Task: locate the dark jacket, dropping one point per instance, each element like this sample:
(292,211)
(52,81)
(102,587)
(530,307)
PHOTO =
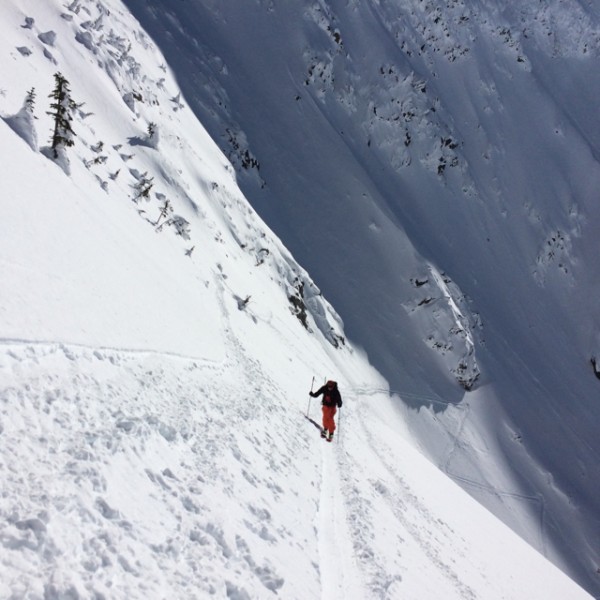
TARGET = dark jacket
(331,396)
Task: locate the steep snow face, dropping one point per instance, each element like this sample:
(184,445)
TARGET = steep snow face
(157,342)
(434,166)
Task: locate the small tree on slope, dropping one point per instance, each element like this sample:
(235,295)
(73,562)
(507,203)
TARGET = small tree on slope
(62,113)
(29,101)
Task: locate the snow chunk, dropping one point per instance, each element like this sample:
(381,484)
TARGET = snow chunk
(129,99)
(48,38)
(85,38)
(49,56)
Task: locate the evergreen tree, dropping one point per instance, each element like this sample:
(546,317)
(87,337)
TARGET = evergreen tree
(142,187)
(30,100)
(165,210)
(153,136)
(62,113)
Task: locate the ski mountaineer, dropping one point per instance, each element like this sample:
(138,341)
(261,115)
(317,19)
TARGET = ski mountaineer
(331,400)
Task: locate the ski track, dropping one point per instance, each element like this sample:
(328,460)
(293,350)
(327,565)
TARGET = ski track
(456,445)
(329,542)
(353,546)
(351,566)
(403,502)
(379,576)
(338,565)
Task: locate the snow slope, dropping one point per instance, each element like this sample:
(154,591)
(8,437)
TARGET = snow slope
(134,474)
(154,371)
(434,166)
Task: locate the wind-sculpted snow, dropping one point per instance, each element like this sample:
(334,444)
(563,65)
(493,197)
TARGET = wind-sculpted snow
(22,123)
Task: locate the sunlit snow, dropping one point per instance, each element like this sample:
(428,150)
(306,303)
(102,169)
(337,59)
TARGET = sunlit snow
(158,343)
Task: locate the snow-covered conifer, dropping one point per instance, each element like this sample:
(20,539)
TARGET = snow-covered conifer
(165,210)
(62,114)
(142,187)
(153,135)
(30,100)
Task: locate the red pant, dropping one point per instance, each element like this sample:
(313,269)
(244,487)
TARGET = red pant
(328,421)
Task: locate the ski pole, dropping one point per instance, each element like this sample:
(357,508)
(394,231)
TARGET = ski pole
(312,383)
(339,426)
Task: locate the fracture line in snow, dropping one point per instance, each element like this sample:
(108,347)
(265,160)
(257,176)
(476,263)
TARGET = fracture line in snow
(95,348)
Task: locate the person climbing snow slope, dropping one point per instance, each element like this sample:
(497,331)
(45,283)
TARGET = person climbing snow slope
(331,400)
